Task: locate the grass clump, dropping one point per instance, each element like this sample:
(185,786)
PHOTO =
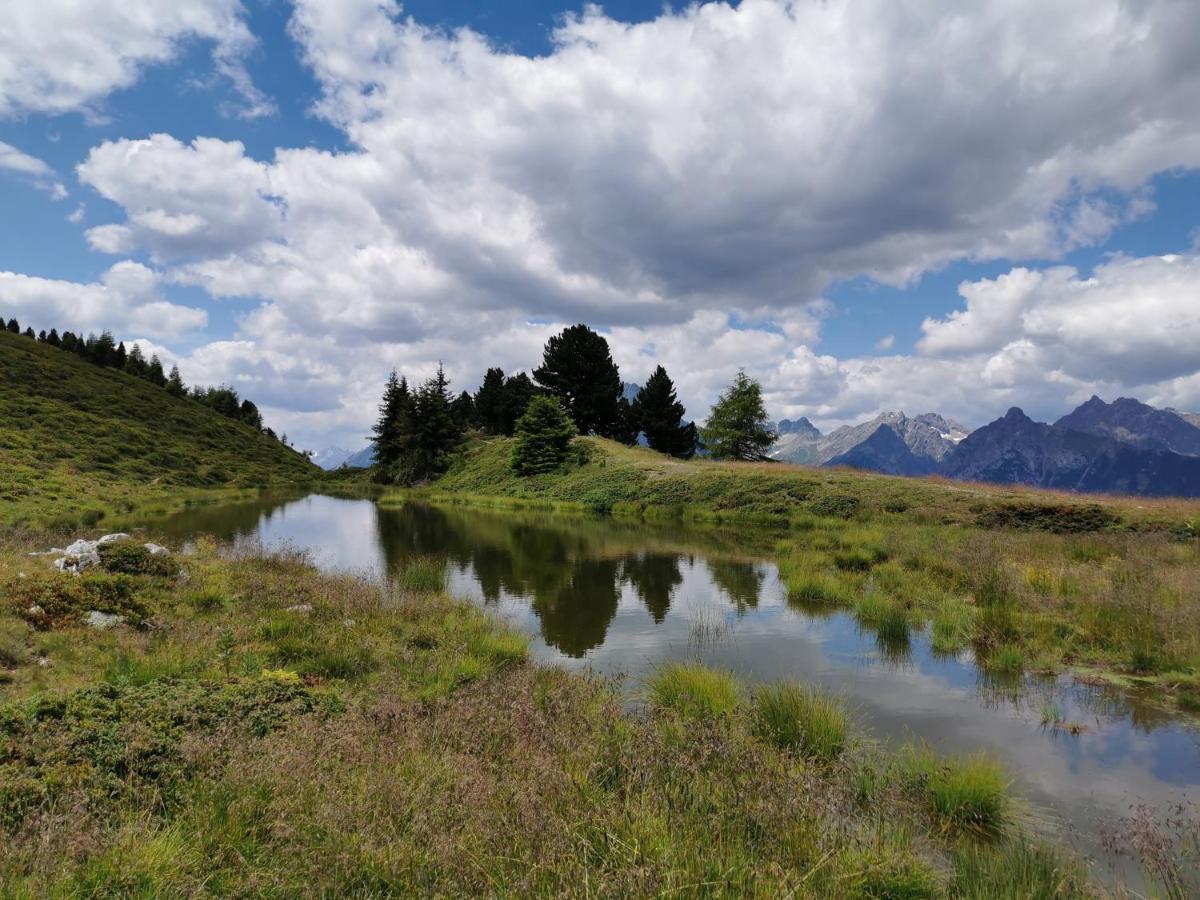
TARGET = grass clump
(953,625)
(422,575)
(801,720)
(964,791)
(1017,868)
(694,691)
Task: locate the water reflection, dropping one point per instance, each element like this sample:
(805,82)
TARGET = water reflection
(621,597)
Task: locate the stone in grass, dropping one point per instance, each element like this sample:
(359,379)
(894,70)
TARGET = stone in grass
(156,549)
(300,608)
(102,621)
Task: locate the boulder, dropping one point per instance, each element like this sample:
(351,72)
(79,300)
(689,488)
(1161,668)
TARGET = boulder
(109,538)
(156,549)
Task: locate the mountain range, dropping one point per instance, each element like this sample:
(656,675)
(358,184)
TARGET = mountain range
(1123,447)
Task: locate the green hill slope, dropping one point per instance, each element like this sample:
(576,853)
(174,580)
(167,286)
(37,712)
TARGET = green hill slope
(77,441)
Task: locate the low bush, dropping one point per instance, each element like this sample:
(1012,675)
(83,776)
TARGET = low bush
(56,600)
(132,558)
(1058,519)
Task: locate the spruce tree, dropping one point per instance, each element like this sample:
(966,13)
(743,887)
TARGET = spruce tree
(738,426)
(154,372)
(14,326)
(519,390)
(391,427)
(53,339)
(464,410)
(29,333)
(436,430)
(578,369)
(658,414)
(135,362)
(544,433)
(119,356)
(104,351)
(175,385)
(490,408)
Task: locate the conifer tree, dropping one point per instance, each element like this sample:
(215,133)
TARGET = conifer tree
(392,429)
(658,414)
(154,372)
(436,430)
(53,339)
(42,336)
(14,326)
(738,426)
(544,433)
(519,390)
(249,414)
(135,362)
(464,410)
(578,369)
(29,333)
(103,351)
(490,402)
(175,385)
(119,356)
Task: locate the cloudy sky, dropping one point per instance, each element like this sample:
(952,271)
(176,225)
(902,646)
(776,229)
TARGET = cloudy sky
(867,204)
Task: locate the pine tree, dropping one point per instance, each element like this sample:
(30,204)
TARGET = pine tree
(519,390)
(29,334)
(490,402)
(436,431)
(658,414)
(738,426)
(104,351)
(14,326)
(119,356)
(154,372)
(53,339)
(135,362)
(69,341)
(42,336)
(175,385)
(577,367)
(392,429)
(249,414)
(544,433)
(464,410)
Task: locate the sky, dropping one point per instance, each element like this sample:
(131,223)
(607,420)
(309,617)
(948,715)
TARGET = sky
(868,205)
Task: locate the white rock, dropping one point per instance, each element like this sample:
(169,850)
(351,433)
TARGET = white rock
(101,620)
(81,547)
(300,608)
(35,610)
(156,550)
(108,538)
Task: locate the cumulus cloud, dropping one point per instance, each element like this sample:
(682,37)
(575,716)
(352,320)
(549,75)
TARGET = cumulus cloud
(691,185)
(59,56)
(126,299)
(32,169)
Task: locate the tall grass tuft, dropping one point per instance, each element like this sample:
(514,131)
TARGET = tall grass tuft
(1016,868)
(965,791)
(801,720)
(694,691)
(422,575)
(953,625)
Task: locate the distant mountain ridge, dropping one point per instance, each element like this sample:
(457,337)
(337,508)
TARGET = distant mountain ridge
(928,438)
(1124,447)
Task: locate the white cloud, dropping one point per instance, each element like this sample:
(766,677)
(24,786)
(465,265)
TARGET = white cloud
(59,56)
(125,300)
(887,342)
(691,184)
(34,170)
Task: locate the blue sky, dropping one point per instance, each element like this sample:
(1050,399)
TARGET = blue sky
(777,186)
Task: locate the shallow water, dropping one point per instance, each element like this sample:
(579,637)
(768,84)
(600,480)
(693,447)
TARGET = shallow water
(620,597)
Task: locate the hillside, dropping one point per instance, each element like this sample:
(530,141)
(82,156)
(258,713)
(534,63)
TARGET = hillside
(608,476)
(79,441)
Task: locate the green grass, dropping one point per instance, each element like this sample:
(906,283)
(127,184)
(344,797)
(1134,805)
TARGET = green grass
(693,691)
(424,573)
(287,733)
(965,792)
(796,718)
(82,444)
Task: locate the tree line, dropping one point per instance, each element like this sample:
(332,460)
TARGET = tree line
(104,351)
(577,390)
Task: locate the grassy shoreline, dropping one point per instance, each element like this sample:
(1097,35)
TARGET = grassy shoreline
(259,727)
(1033,582)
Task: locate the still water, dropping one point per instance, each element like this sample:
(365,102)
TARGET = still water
(621,598)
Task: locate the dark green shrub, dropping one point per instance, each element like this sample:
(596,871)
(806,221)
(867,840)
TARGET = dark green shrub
(835,506)
(132,558)
(1058,519)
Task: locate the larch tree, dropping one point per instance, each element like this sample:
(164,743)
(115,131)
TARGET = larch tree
(738,427)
